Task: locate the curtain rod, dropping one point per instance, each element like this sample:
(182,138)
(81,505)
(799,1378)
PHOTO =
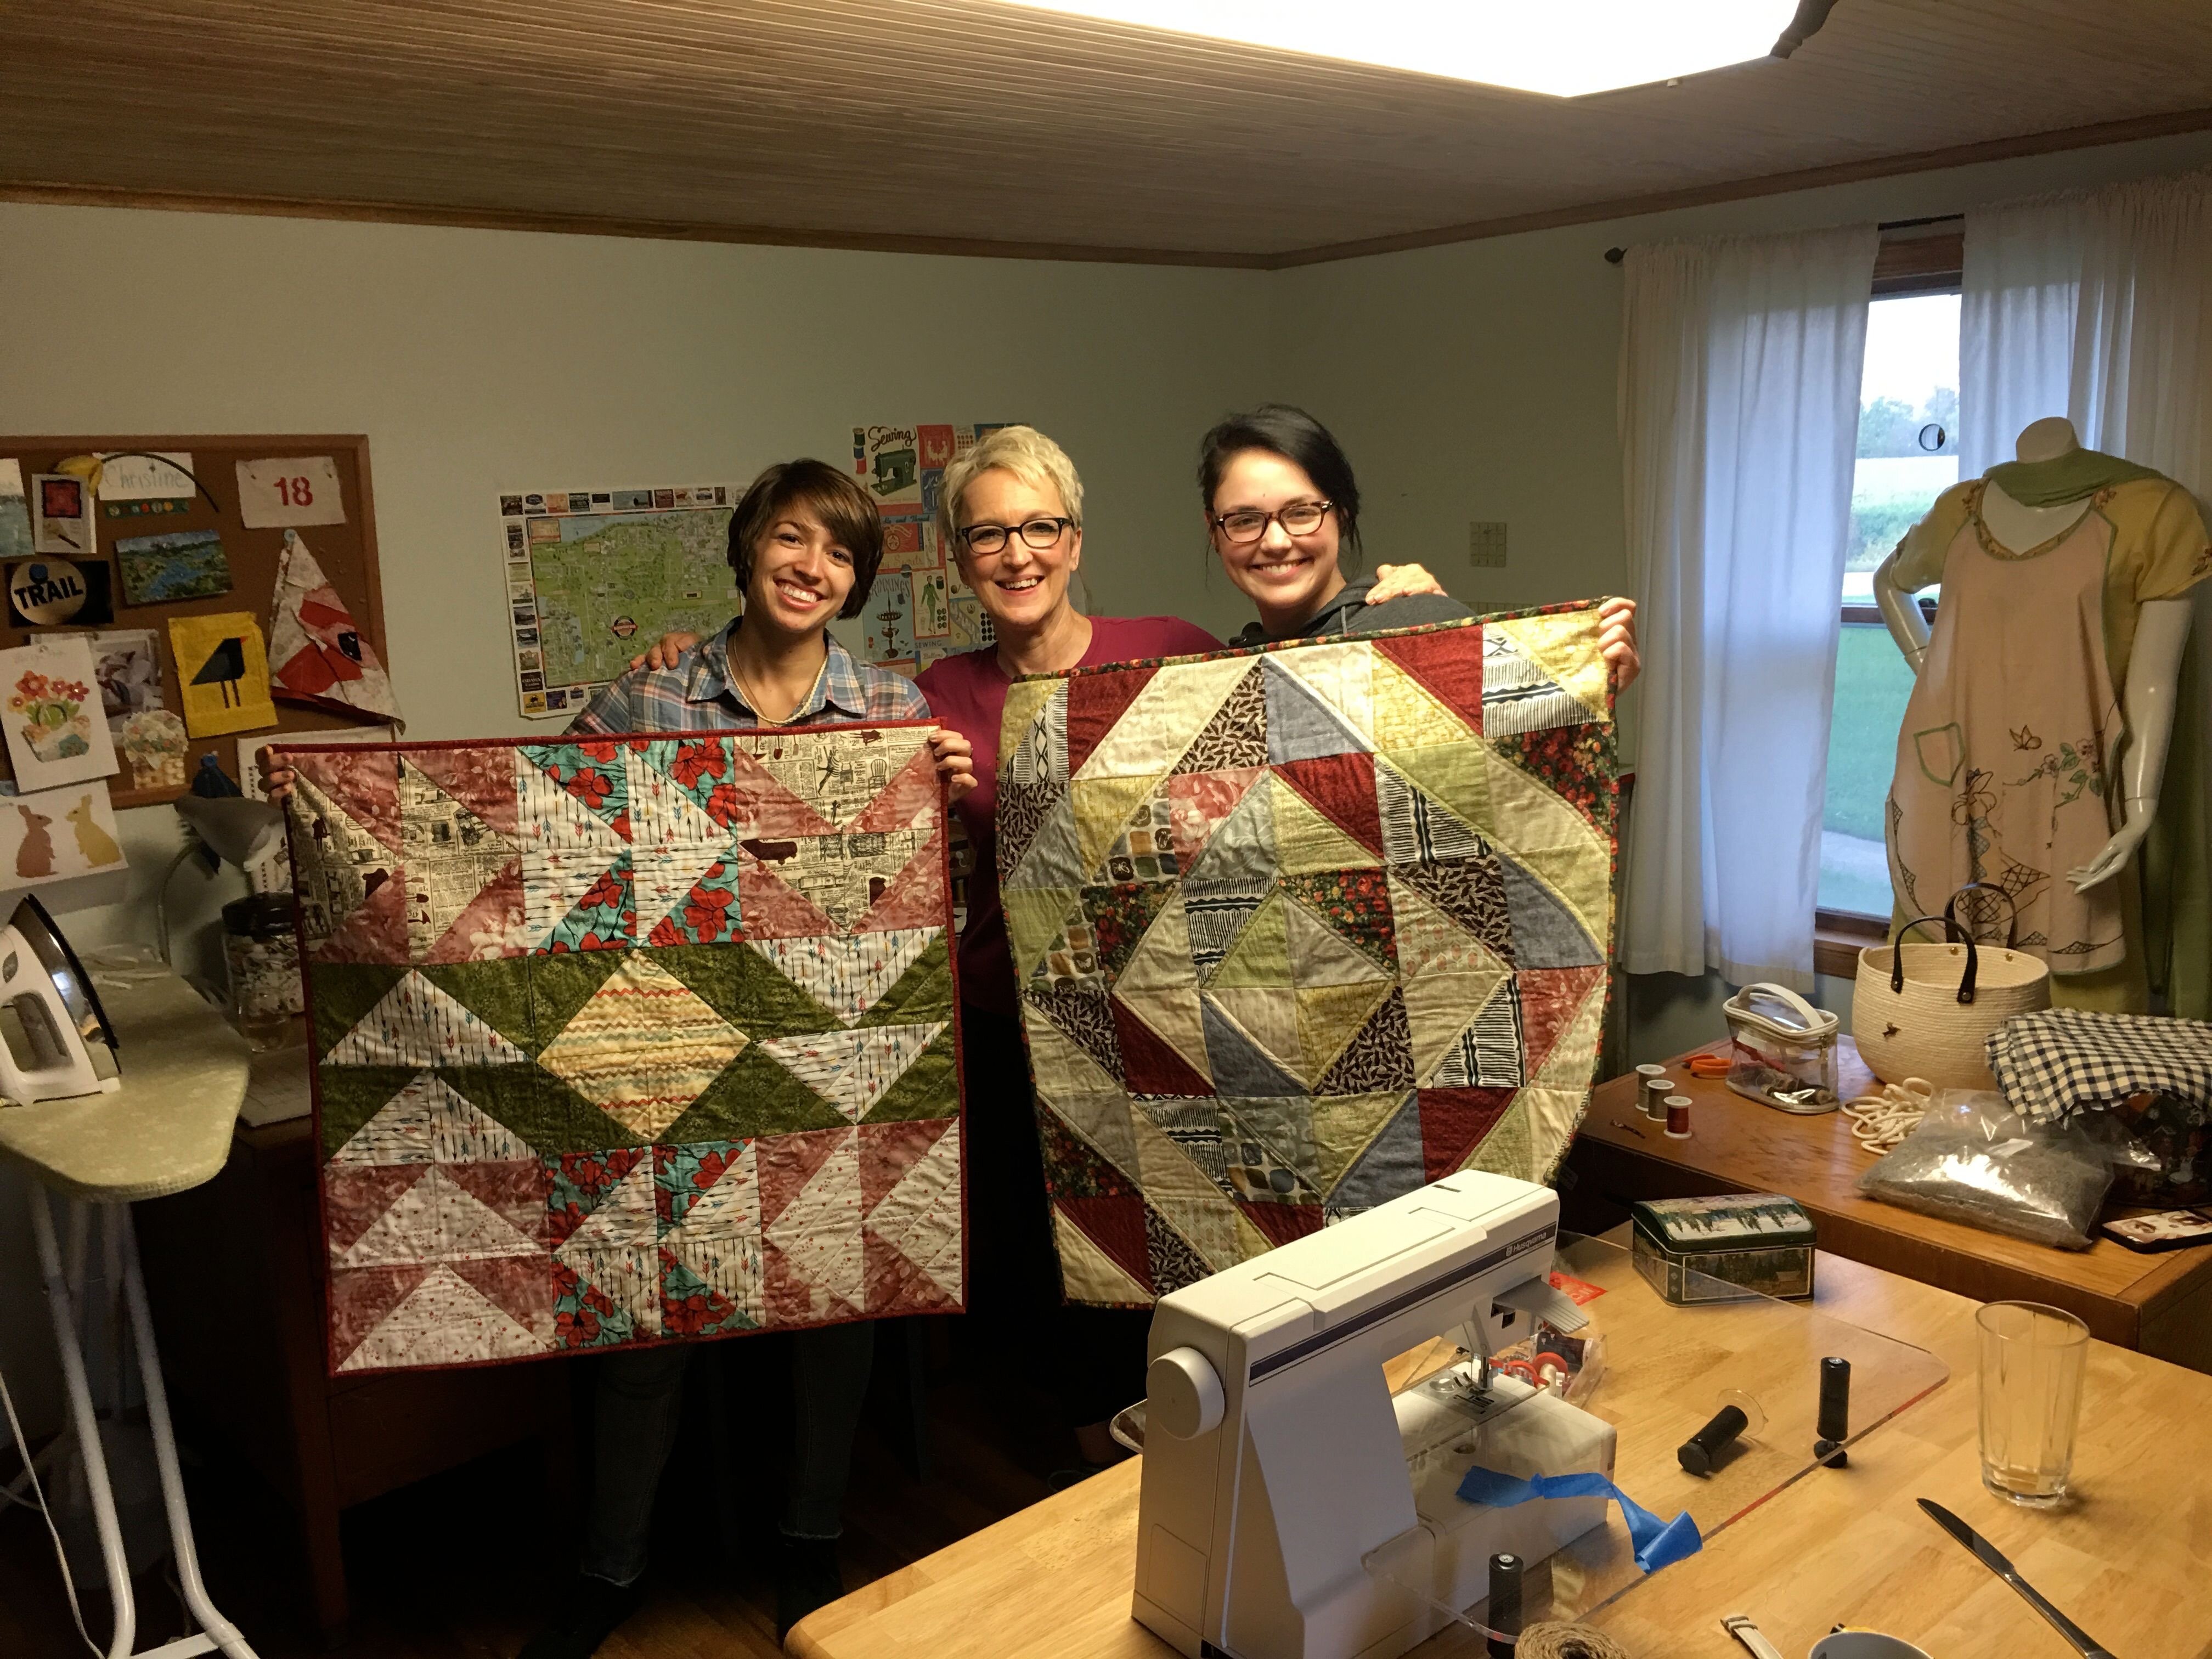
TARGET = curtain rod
(1614,256)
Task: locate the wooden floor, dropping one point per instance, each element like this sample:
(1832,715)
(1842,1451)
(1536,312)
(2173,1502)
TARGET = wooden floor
(464,1565)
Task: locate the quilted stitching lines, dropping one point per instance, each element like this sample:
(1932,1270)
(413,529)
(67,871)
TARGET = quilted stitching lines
(629,1039)
(1304,927)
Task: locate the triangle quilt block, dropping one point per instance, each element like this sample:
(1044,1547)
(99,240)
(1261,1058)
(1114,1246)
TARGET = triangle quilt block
(1304,927)
(621,1041)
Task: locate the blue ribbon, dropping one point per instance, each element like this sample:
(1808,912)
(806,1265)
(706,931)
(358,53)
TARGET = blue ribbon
(1658,1543)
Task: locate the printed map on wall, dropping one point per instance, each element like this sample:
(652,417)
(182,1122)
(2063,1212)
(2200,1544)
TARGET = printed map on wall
(623,1041)
(1303,928)
(595,576)
(919,609)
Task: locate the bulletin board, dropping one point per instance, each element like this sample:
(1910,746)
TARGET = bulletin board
(344,547)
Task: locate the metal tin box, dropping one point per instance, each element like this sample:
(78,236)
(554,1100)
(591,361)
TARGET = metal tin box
(1724,1249)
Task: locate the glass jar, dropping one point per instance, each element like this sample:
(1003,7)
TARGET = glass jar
(262,951)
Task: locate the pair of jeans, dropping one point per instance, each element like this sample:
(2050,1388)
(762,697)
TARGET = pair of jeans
(640,1396)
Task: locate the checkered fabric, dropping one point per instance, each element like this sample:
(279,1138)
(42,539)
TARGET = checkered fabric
(2061,1060)
(1299,928)
(625,1040)
(696,695)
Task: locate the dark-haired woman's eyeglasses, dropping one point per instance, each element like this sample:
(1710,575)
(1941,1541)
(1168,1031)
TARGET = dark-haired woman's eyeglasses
(1249,524)
(989,538)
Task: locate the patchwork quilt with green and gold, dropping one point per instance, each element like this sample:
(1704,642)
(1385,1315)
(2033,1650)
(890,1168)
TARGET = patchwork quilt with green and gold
(624,1041)
(1302,927)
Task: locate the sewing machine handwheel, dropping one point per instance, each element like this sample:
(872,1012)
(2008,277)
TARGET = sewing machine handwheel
(1182,1394)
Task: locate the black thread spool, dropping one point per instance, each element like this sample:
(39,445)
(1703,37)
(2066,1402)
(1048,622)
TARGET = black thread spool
(1502,1614)
(1835,1424)
(1737,1413)
(1702,1450)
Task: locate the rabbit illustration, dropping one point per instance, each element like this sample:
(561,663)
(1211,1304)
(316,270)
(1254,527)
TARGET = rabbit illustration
(96,845)
(35,857)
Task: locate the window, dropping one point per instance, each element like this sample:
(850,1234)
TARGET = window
(1908,432)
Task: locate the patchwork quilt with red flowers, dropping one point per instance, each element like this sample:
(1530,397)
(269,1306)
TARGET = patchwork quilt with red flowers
(1302,927)
(628,1040)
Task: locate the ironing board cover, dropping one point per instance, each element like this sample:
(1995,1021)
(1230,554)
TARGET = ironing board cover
(627,1041)
(1301,927)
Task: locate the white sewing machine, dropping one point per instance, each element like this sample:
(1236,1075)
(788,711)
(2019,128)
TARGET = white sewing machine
(1278,1469)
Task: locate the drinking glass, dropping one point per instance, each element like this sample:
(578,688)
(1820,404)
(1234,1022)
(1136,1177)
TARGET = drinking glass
(2033,1357)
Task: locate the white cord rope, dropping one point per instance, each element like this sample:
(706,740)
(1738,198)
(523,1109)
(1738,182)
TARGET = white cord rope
(61,1555)
(1879,1122)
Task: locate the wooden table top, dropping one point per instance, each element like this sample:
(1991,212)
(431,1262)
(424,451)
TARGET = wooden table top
(2130,1558)
(2161,1302)
(168,1127)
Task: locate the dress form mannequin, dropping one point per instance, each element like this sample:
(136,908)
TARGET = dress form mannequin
(2149,700)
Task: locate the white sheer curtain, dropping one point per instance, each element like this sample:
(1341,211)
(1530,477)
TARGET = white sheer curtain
(2021,283)
(2098,304)
(1739,419)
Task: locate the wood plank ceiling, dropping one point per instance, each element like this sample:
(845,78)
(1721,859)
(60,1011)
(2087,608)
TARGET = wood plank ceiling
(971,125)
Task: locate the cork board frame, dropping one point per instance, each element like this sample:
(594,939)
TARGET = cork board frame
(347,553)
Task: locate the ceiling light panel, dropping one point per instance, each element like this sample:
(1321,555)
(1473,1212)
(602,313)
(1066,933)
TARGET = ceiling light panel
(1566,48)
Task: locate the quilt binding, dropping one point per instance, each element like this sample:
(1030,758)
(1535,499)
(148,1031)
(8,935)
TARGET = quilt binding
(1612,831)
(314,1070)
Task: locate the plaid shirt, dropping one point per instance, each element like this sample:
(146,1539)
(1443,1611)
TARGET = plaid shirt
(698,696)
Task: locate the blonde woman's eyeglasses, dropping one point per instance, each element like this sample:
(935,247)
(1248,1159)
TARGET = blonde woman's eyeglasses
(989,538)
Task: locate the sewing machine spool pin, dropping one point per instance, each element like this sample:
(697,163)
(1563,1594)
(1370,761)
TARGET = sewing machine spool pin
(1834,1426)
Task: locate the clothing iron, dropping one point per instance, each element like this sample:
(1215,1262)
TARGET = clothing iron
(55,1040)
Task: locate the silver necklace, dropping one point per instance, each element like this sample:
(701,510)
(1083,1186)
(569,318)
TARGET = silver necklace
(752,696)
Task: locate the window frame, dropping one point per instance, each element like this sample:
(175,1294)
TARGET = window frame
(1920,256)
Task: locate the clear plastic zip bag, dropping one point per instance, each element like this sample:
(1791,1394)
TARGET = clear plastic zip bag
(1972,1160)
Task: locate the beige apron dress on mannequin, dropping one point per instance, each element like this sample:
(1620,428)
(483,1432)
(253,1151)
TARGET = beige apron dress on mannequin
(2003,760)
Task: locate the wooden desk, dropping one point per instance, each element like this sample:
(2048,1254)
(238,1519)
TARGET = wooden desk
(2161,1303)
(2130,1560)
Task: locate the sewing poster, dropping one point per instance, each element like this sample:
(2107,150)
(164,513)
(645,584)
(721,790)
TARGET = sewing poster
(1299,929)
(901,466)
(223,669)
(52,834)
(56,733)
(620,1042)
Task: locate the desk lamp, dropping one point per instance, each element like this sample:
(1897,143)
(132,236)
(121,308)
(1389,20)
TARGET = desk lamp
(226,830)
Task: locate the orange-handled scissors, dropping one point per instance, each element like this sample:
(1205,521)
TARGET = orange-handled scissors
(1708,1065)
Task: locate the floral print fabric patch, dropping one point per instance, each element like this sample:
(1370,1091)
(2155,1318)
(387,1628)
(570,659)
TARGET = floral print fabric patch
(1302,927)
(628,1040)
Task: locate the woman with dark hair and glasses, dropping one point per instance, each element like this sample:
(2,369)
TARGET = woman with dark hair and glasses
(1282,508)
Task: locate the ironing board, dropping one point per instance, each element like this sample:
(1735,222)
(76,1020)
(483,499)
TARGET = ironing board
(166,1129)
